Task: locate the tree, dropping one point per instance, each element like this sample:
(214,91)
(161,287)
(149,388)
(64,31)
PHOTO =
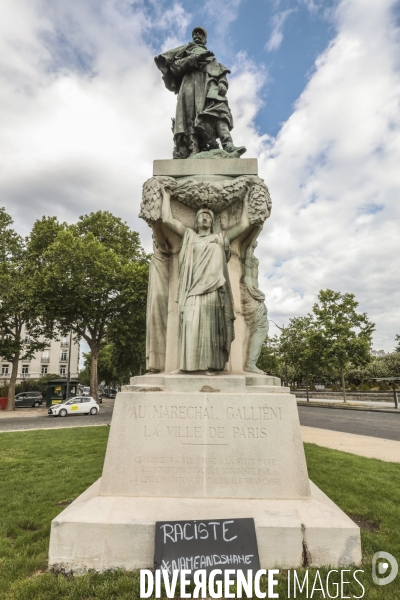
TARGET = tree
(301,346)
(347,334)
(19,310)
(109,368)
(269,360)
(397,339)
(90,279)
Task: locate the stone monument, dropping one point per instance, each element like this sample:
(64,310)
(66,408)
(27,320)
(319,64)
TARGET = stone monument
(204,434)
(202,111)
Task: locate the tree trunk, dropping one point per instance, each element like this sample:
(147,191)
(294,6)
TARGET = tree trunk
(308,398)
(11,388)
(93,371)
(343,384)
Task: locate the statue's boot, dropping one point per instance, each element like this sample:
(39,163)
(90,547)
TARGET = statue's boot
(193,145)
(226,139)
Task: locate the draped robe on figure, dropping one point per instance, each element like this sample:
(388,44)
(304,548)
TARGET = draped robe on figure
(199,104)
(157,310)
(206,309)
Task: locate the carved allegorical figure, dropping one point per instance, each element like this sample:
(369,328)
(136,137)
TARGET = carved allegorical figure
(190,292)
(202,111)
(205,302)
(157,309)
(254,310)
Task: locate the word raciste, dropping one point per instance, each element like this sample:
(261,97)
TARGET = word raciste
(192,545)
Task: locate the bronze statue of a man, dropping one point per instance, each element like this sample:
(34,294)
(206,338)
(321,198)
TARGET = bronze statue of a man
(202,111)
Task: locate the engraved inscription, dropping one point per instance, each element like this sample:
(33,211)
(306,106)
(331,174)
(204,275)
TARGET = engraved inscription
(184,412)
(254,413)
(190,470)
(249,432)
(238,437)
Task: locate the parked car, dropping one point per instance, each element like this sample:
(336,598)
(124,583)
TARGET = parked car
(81,405)
(86,391)
(28,399)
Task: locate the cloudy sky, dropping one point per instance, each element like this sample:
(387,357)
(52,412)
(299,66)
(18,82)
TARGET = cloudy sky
(314,91)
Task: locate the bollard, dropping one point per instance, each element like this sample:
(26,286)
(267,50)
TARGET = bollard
(395,394)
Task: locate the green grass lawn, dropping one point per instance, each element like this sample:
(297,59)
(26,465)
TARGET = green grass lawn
(41,471)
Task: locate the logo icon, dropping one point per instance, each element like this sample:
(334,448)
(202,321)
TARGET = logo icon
(381,561)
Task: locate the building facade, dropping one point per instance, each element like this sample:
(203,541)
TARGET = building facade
(53,359)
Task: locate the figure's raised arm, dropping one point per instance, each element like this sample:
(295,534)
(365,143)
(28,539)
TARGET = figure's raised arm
(167,218)
(234,231)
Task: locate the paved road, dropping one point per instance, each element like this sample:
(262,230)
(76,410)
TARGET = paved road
(47,422)
(374,424)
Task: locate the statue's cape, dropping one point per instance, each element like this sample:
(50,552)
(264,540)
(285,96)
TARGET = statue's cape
(172,83)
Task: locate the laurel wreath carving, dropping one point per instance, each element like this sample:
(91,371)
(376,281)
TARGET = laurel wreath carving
(214,195)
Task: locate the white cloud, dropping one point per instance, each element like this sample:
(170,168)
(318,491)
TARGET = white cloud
(223,12)
(312,5)
(276,37)
(245,88)
(83,109)
(334,177)
(176,19)
(84,113)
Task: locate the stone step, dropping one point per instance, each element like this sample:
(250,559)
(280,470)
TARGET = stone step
(108,532)
(267,389)
(207,383)
(142,388)
(262,380)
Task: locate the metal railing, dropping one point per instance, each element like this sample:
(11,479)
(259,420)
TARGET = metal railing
(45,359)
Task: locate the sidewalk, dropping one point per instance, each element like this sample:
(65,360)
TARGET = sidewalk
(362,445)
(351,404)
(41,411)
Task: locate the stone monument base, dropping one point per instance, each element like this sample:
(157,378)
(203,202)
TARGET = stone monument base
(196,447)
(108,532)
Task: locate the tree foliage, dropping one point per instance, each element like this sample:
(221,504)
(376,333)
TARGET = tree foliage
(116,364)
(323,346)
(92,280)
(270,360)
(347,334)
(21,324)
(302,346)
(379,366)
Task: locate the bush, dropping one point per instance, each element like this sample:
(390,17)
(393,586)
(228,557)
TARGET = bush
(3,389)
(35,385)
(364,387)
(383,386)
(353,388)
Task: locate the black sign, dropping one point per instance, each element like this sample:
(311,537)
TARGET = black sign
(218,544)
